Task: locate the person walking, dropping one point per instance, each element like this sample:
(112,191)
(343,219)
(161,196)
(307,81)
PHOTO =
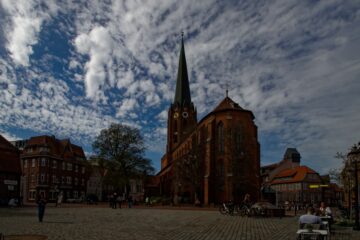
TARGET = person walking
(59,199)
(41,203)
(119,200)
(130,201)
(114,200)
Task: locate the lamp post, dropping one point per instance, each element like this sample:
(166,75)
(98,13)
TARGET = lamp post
(354,156)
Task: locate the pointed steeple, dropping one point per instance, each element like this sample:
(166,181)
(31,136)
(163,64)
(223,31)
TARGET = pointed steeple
(182,93)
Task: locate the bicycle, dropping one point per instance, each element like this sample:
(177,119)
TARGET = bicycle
(229,209)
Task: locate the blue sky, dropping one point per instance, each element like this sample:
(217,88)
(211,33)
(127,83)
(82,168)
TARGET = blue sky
(71,68)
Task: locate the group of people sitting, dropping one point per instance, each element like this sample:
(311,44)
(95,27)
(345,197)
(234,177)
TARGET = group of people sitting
(314,217)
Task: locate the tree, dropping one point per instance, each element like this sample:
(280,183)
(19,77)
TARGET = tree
(346,175)
(188,173)
(337,174)
(123,148)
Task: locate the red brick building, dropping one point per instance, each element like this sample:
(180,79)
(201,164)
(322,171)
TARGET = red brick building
(51,166)
(10,171)
(224,144)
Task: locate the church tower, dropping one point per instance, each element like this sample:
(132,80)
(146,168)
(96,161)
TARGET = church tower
(182,118)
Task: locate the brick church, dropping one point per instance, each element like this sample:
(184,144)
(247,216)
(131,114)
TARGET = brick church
(213,160)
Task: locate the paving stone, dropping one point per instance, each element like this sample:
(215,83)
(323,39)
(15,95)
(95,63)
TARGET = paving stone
(146,224)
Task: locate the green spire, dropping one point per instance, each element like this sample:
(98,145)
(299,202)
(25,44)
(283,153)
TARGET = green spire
(182,93)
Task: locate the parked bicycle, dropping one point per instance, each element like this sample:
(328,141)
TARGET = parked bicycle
(245,210)
(229,209)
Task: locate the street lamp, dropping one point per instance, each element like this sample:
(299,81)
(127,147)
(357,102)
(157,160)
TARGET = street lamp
(354,156)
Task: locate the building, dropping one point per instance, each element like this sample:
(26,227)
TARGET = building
(223,148)
(10,171)
(19,144)
(51,166)
(137,190)
(287,180)
(290,160)
(95,183)
(300,184)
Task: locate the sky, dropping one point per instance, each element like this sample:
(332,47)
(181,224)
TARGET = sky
(71,68)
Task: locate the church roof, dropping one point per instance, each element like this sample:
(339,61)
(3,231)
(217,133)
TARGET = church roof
(227,104)
(182,92)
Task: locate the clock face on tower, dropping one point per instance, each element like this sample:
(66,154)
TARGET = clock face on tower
(176,115)
(185,114)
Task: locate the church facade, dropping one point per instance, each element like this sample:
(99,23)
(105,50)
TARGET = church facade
(213,160)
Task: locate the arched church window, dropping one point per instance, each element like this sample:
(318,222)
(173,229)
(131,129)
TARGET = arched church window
(221,174)
(221,140)
(175,126)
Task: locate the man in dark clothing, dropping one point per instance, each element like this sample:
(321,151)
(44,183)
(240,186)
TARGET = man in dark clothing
(114,199)
(41,202)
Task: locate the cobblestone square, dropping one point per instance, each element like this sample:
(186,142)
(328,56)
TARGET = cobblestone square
(145,224)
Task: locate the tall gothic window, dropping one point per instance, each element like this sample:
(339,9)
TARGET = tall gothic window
(175,132)
(221,140)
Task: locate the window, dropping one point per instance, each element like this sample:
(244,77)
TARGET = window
(42,178)
(52,195)
(75,194)
(237,139)
(32,194)
(68,180)
(54,164)
(32,177)
(76,168)
(63,166)
(33,162)
(43,162)
(221,169)
(69,167)
(62,179)
(25,163)
(82,182)
(76,181)
(138,187)
(54,180)
(82,170)
(220,133)
(44,149)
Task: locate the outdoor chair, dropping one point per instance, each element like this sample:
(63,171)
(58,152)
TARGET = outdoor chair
(309,236)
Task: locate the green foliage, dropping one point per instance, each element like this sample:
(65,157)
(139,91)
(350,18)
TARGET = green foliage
(188,172)
(121,149)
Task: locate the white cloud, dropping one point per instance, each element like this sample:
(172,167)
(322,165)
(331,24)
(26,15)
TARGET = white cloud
(126,107)
(24,26)
(9,136)
(98,44)
(163,116)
